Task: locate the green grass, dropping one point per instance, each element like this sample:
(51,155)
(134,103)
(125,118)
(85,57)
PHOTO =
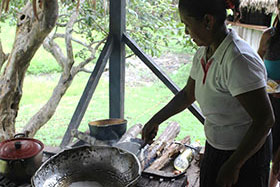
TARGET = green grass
(141,102)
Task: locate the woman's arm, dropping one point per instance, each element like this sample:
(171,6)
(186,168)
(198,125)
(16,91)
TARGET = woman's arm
(258,106)
(180,101)
(264,42)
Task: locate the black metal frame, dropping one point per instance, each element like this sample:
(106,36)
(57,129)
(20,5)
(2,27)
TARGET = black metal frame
(114,51)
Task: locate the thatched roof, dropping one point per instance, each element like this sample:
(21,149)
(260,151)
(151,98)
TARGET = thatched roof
(268,5)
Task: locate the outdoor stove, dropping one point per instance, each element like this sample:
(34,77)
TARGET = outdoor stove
(147,179)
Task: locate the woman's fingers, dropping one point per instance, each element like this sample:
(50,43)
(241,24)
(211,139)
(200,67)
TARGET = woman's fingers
(149,132)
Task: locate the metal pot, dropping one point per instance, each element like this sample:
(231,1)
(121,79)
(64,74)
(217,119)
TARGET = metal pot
(20,158)
(105,165)
(108,129)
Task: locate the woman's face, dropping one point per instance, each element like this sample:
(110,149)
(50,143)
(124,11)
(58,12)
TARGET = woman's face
(196,29)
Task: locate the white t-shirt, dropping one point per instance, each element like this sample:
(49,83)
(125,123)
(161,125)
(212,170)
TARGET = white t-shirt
(235,69)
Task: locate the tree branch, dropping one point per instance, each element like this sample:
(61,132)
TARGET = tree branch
(3,56)
(81,65)
(61,24)
(101,28)
(51,46)
(85,70)
(60,35)
(68,37)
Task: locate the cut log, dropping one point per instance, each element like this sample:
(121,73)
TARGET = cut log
(132,132)
(169,152)
(167,136)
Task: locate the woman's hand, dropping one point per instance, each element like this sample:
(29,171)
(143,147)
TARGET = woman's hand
(228,175)
(149,132)
(277,95)
(180,102)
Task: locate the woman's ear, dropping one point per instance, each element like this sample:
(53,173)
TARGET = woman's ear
(208,21)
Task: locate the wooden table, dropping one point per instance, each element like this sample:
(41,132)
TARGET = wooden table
(191,178)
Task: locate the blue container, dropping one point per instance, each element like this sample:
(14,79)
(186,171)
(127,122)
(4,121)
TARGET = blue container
(273,69)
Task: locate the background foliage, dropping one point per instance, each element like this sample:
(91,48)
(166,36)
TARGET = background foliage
(154,25)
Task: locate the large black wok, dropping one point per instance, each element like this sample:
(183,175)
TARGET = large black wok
(108,166)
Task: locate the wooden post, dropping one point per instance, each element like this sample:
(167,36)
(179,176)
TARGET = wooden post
(117,59)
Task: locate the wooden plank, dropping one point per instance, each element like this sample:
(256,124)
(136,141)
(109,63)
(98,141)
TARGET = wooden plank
(248,26)
(193,173)
(165,184)
(117,59)
(154,183)
(88,92)
(146,182)
(160,74)
(143,182)
(179,183)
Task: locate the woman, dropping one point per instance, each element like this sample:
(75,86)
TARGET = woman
(226,79)
(269,51)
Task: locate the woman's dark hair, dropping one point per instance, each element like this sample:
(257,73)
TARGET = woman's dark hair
(236,10)
(276,35)
(199,8)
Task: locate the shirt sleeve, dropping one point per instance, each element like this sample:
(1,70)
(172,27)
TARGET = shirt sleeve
(246,73)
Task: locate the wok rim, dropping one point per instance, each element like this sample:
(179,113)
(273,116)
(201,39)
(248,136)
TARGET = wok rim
(121,151)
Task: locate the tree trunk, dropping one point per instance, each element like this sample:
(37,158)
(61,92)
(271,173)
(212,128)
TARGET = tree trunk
(30,34)
(66,78)
(66,61)
(48,110)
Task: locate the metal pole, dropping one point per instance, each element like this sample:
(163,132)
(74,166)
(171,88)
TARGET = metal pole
(117,59)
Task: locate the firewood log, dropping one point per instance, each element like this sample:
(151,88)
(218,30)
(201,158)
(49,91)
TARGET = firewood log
(132,132)
(168,153)
(168,135)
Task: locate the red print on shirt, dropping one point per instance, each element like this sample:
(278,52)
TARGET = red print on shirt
(205,67)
